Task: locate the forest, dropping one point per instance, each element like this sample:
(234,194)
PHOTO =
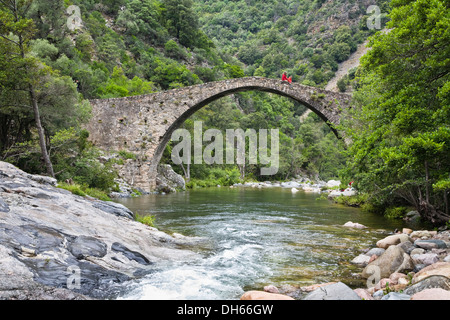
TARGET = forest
(398,127)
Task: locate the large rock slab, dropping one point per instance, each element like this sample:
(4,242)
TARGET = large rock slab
(46,233)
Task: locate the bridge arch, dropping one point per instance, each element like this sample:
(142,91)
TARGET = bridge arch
(144,124)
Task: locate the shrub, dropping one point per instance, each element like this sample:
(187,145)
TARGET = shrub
(175,51)
(395,212)
(352,201)
(342,85)
(83,190)
(147,220)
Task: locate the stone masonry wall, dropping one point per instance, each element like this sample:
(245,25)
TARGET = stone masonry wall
(144,124)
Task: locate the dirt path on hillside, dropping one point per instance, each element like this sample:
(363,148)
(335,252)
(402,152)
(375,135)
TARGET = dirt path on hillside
(344,68)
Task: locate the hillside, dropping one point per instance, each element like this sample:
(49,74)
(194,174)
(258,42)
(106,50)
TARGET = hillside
(123,48)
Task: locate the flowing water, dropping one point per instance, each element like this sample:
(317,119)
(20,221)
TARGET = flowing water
(255,237)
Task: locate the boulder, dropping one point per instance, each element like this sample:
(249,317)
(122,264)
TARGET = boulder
(354,225)
(429,283)
(413,217)
(438,268)
(395,278)
(377,295)
(394,259)
(114,208)
(407,231)
(418,234)
(262,295)
(167,180)
(333,183)
(422,234)
(335,193)
(349,192)
(426,258)
(407,246)
(361,260)
(392,240)
(130,254)
(430,244)
(291,184)
(271,289)
(417,251)
(363,294)
(336,291)
(382,284)
(375,251)
(432,294)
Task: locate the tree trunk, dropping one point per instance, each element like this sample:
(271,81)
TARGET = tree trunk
(241,171)
(427,187)
(43,145)
(187,172)
(33,98)
(429,213)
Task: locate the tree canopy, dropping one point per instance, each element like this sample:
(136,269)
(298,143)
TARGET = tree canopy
(401,132)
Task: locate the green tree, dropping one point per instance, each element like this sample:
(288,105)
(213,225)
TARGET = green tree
(401,132)
(20,70)
(181,21)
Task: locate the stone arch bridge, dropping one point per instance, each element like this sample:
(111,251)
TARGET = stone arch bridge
(143,125)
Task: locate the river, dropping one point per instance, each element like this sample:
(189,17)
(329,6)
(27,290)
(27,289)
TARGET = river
(255,237)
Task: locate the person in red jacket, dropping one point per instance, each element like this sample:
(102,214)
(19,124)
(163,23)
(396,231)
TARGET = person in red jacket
(284,77)
(290,80)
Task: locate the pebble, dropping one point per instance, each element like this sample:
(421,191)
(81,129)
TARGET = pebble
(430,244)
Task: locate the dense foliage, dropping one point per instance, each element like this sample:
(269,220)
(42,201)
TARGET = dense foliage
(400,130)
(48,70)
(307,39)
(131,47)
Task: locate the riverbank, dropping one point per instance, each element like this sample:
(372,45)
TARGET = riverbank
(332,187)
(407,265)
(56,245)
